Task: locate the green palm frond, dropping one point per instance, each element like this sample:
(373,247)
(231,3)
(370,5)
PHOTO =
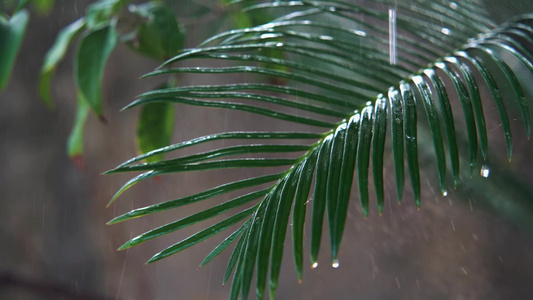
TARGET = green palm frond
(343,84)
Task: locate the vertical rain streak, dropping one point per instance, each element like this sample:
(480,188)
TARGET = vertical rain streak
(392,36)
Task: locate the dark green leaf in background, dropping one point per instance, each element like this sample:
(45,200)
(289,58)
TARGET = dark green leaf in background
(11,35)
(43,6)
(75,140)
(160,37)
(100,13)
(55,55)
(21,4)
(40,6)
(93,51)
(155,128)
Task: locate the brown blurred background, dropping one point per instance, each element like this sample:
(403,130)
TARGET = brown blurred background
(54,241)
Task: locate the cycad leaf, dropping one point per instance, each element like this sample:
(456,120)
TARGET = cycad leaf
(334,75)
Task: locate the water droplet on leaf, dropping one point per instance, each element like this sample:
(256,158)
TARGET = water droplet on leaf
(446,31)
(485,171)
(335,263)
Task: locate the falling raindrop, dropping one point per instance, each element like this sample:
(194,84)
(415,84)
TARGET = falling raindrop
(392,36)
(314,265)
(335,263)
(485,171)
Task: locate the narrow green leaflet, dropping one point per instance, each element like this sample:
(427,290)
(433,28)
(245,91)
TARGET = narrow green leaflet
(298,213)
(397,134)
(55,55)
(225,244)
(202,235)
(236,252)
(193,219)
(319,197)
(448,121)
(333,184)
(244,135)
(155,128)
(160,36)
(91,57)
(11,36)
(434,124)
(468,112)
(280,228)
(411,138)
(346,179)
(225,188)
(473,93)
(378,148)
(363,156)
(265,239)
(496,95)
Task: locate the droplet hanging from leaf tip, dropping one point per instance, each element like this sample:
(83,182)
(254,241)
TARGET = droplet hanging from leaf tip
(335,263)
(314,265)
(485,171)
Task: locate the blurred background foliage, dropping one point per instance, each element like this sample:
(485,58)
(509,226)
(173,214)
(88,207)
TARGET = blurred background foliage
(55,244)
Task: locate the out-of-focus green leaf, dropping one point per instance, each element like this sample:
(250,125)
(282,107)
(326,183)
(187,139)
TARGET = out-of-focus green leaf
(75,140)
(43,6)
(242,20)
(93,51)
(155,128)
(191,9)
(55,55)
(11,35)
(21,4)
(161,37)
(100,13)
